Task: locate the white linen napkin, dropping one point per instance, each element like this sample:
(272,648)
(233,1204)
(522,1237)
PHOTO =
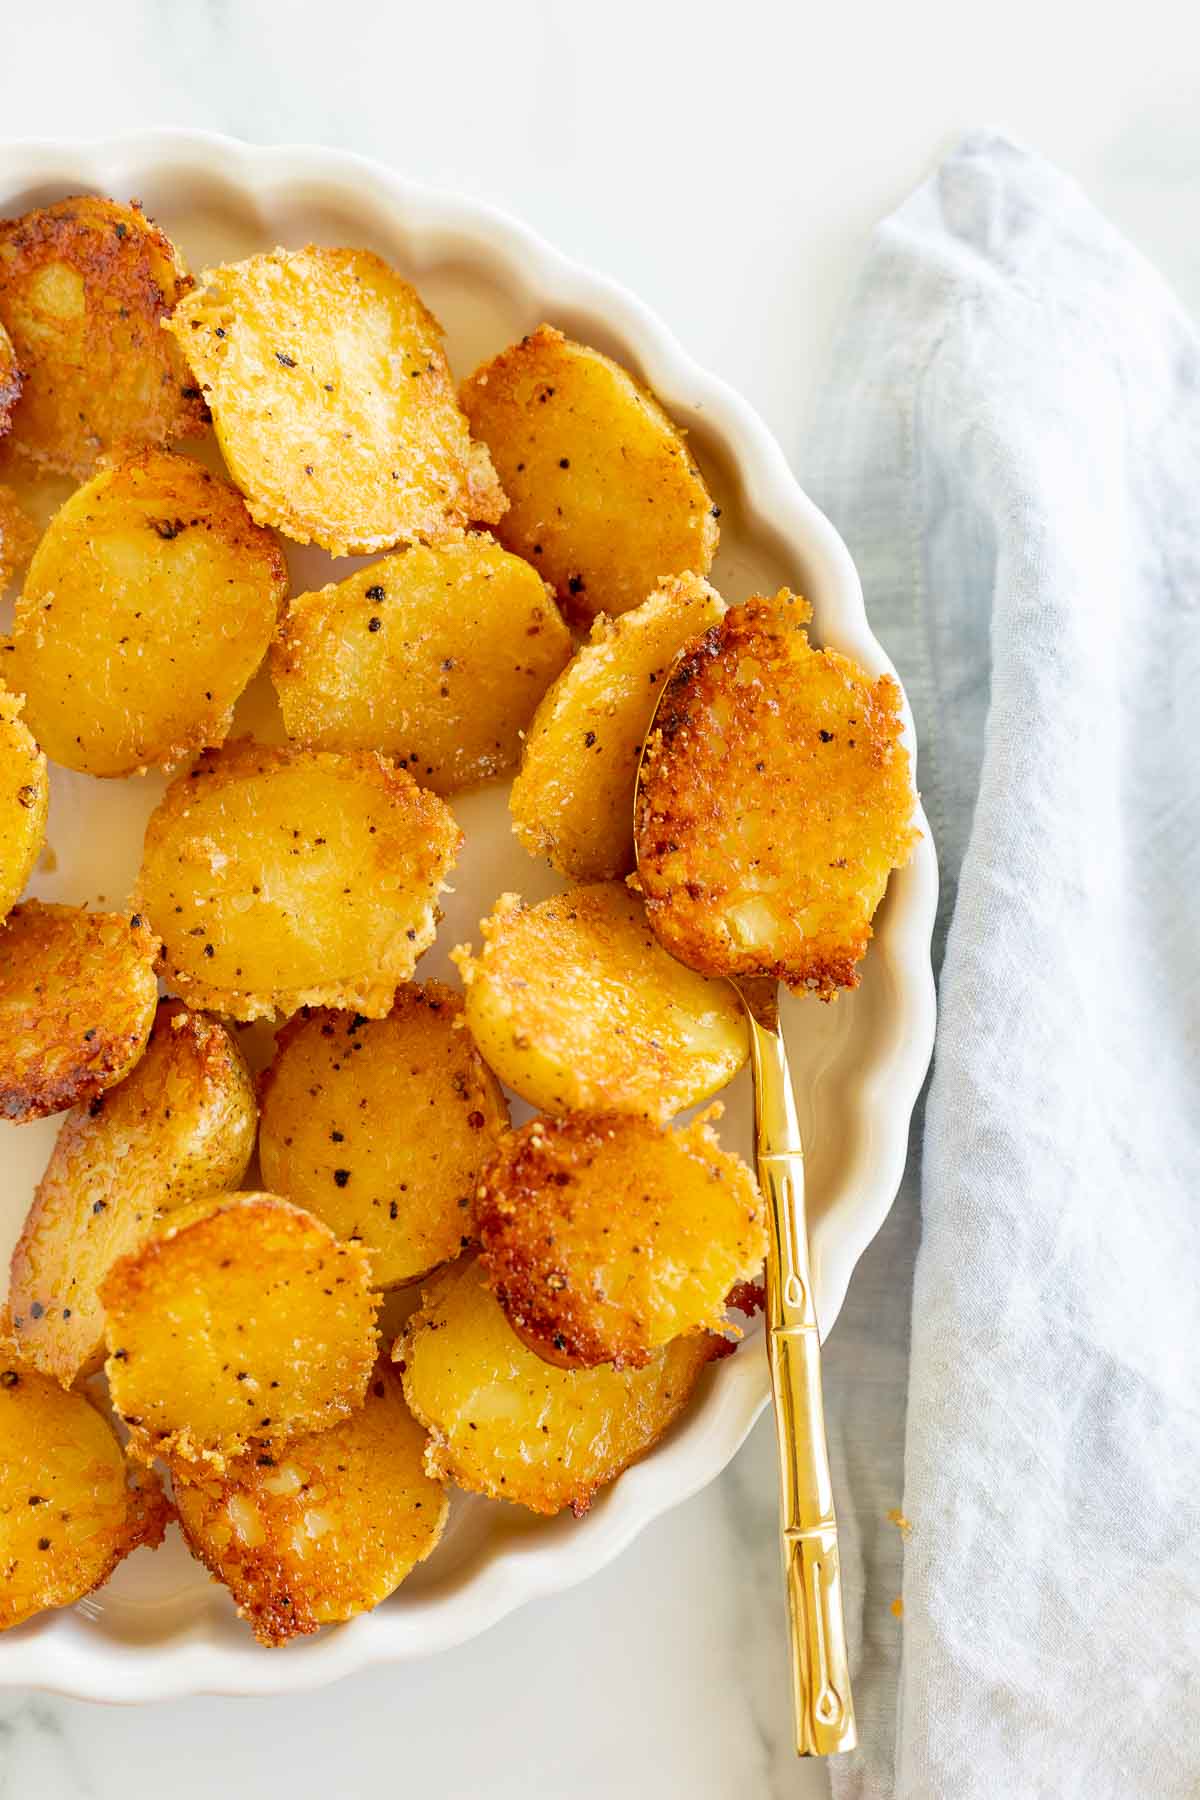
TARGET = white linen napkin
(1010,442)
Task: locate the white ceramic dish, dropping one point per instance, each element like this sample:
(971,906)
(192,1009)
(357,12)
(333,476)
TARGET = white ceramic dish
(161,1628)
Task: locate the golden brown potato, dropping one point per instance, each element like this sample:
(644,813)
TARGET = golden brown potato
(572,801)
(24,801)
(10,382)
(180,1126)
(503,1422)
(70,1509)
(240,1321)
(84,287)
(576,1005)
(77,999)
(18,535)
(286,878)
(776,800)
(604,495)
(325,1527)
(148,605)
(332,400)
(434,656)
(381,1126)
(604,1237)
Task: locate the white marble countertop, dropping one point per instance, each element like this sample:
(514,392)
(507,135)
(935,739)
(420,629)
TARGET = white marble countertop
(727,164)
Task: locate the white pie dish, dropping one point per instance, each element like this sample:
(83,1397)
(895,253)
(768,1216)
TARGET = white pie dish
(161,1628)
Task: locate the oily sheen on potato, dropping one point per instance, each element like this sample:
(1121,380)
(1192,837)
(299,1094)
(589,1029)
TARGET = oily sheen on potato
(332,400)
(284,878)
(327,1526)
(149,604)
(575,1003)
(604,494)
(437,656)
(24,800)
(381,1127)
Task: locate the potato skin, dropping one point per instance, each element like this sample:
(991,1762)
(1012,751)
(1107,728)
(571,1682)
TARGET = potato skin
(604,495)
(180,1126)
(77,999)
(10,383)
(504,1423)
(24,801)
(84,287)
(757,726)
(326,1526)
(332,400)
(575,1004)
(572,800)
(381,1126)
(69,1508)
(286,878)
(148,606)
(436,656)
(18,535)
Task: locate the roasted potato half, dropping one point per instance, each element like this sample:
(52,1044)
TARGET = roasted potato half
(436,656)
(181,1125)
(332,400)
(148,605)
(505,1423)
(10,382)
(84,287)
(239,1322)
(70,1509)
(604,495)
(287,878)
(325,1526)
(77,999)
(18,536)
(604,1237)
(24,800)
(576,1004)
(572,800)
(776,800)
(381,1127)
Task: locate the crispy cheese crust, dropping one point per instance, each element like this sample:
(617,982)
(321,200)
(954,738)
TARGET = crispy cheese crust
(18,535)
(24,801)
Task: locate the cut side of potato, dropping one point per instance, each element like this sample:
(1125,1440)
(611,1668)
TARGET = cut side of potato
(332,400)
(24,800)
(10,383)
(325,1527)
(242,1321)
(180,1126)
(776,800)
(436,656)
(84,287)
(286,878)
(604,495)
(77,999)
(18,535)
(70,1509)
(575,1004)
(381,1126)
(572,800)
(503,1422)
(604,1237)
(149,604)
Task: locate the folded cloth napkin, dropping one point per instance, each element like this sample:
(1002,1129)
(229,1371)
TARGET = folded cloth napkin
(1010,442)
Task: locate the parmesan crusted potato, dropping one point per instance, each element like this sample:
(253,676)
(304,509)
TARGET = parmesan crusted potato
(284,878)
(18,535)
(574,1003)
(24,801)
(325,1527)
(84,287)
(180,1126)
(775,801)
(10,381)
(436,656)
(332,400)
(70,1510)
(604,1237)
(503,1422)
(572,801)
(605,497)
(240,1322)
(148,605)
(381,1126)
(77,999)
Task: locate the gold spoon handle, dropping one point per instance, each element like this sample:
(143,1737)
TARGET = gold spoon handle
(824,1707)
